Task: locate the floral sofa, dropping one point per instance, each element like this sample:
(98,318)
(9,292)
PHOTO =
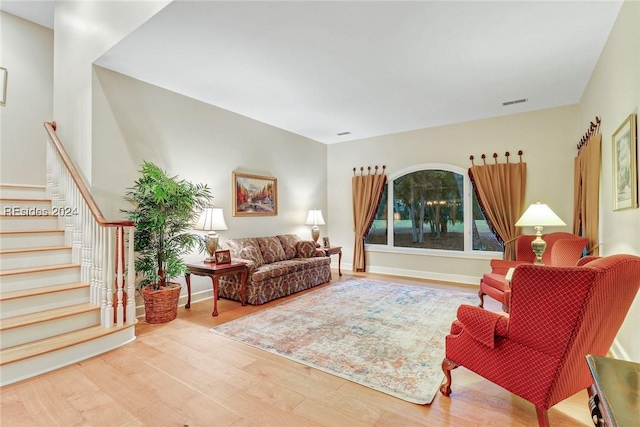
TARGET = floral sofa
(278,266)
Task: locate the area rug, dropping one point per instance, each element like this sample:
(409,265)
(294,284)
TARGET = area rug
(385,336)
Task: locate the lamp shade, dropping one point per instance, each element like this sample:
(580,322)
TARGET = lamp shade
(211,219)
(539,214)
(314,217)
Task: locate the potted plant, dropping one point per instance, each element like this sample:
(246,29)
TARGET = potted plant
(165,209)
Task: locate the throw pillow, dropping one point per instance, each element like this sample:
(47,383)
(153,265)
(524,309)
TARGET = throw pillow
(251,253)
(288,242)
(306,249)
(271,249)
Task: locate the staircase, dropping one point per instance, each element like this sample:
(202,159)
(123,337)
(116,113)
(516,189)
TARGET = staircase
(47,317)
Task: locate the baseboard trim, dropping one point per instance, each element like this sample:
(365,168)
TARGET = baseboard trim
(427,275)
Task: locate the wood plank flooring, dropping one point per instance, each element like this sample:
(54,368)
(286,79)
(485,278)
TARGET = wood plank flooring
(180,374)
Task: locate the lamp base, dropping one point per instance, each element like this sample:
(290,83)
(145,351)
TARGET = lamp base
(538,245)
(315,235)
(211,241)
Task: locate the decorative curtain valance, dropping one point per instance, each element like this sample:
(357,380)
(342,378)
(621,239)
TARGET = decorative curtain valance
(500,190)
(586,186)
(367,192)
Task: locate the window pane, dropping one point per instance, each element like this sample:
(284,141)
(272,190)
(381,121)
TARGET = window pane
(483,238)
(378,231)
(429,210)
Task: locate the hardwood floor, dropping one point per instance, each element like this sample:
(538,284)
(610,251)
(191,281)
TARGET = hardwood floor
(180,374)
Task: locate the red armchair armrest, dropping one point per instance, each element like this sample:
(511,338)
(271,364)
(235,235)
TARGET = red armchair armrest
(482,325)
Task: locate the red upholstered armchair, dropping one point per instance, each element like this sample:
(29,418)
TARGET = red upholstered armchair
(563,250)
(558,316)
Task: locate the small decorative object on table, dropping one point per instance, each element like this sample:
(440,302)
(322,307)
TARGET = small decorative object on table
(325,242)
(223,256)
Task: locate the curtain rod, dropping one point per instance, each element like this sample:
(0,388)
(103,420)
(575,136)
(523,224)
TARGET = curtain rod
(594,129)
(495,157)
(369,170)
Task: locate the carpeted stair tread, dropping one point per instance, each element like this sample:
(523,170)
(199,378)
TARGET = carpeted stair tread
(54,230)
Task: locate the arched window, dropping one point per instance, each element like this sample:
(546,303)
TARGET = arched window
(433,207)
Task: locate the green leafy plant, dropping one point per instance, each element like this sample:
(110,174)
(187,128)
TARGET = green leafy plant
(165,209)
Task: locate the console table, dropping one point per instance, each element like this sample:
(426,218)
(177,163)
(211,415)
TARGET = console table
(614,397)
(215,271)
(332,250)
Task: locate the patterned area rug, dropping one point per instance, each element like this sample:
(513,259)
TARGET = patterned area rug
(385,336)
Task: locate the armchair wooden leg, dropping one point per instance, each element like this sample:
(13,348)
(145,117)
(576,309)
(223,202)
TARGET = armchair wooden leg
(543,417)
(481,296)
(447,366)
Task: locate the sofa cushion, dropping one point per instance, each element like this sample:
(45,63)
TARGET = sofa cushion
(271,249)
(235,245)
(251,253)
(288,242)
(305,249)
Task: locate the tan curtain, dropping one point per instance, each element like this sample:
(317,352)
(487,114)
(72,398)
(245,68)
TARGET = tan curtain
(587,192)
(500,189)
(367,192)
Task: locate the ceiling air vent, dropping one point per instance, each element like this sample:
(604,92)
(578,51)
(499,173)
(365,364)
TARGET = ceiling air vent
(515,101)
(343,133)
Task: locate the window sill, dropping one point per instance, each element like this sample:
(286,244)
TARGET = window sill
(484,255)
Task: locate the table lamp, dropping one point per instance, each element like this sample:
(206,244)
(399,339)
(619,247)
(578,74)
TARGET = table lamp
(539,215)
(315,219)
(211,220)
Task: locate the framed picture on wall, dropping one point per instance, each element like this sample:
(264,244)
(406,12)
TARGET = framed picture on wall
(4,74)
(254,195)
(625,166)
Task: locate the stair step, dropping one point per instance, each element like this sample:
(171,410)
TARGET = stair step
(22,329)
(30,239)
(35,358)
(29,222)
(41,276)
(12,259)
(22,206)
(23,191)
(25,301)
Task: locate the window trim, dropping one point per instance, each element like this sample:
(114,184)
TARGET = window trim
(468,215)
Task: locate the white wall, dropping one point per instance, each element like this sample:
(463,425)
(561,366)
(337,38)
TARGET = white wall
(84,30)
(135,121)
(547,138)
(27,53)
(612,94)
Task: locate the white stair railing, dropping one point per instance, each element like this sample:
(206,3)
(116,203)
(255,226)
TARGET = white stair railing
(104,249)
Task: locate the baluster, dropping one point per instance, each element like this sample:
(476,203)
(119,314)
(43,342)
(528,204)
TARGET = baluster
(131,278)
(119,274)
(108,321)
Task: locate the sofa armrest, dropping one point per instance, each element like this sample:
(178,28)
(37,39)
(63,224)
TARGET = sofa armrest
(321,252)
(501,266)
(482,325)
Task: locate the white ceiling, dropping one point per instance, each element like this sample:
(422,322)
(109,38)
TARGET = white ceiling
(369,68)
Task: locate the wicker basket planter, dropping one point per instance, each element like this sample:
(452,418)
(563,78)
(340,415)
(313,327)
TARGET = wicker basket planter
(161,306)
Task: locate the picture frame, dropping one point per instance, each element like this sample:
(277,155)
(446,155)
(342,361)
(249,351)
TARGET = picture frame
(625,167)
(223,256)
(325,242)
(254,195)
(4,74)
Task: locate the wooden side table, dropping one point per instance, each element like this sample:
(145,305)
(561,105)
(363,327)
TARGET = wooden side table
(332,250)
(215,271)
(614,397)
